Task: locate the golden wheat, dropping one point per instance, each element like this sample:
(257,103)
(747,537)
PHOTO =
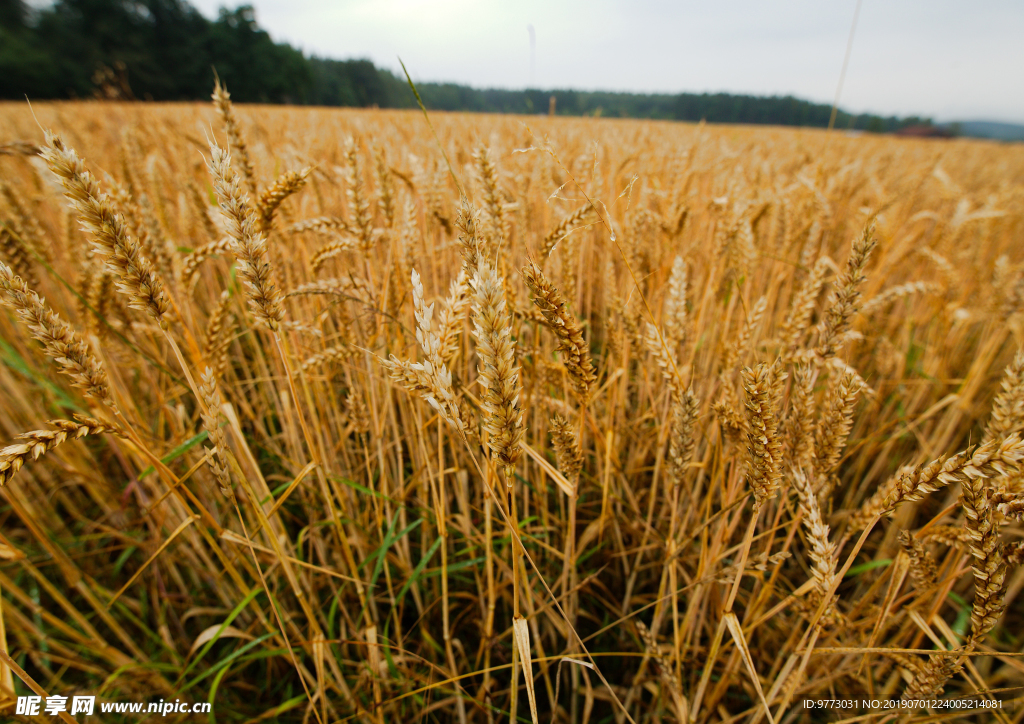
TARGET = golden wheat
(626,322)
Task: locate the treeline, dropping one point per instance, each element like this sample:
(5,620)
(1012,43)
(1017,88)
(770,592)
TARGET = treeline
(167,50)
(360,83)
(144,49)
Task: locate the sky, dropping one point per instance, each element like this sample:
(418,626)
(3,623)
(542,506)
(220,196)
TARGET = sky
(943,59)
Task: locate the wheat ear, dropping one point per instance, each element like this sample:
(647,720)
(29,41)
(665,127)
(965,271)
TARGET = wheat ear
(571,344)
(494,206)
(450,318)
(321,224)
(567,450)
(835,424)
(800,420)
(843,302)
(674,322)
(989,566)
(213,421)
(431,378)
(331,250)
(823,551)
(1008,407)
(682,440)
(71,354)
(988,460)
(25,224)
(932,676)
(359,206)
(742,343)
(469,241)
(190,265)
(222,102)
(804,302)
(290,182)
(922,565)
(38,442)
(219,326)
(566,226)
(1013,554)
(763,386)
(336,354)
(498,373)
(898,292)
(13,251)
(250,245)
(123,254)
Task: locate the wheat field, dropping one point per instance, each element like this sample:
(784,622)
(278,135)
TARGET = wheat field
(335,415)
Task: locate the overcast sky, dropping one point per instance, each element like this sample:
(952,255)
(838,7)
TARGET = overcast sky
(947,59)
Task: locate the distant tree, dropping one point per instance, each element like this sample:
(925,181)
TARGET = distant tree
(164,49)
(12,14)
(26,67)
(254,67)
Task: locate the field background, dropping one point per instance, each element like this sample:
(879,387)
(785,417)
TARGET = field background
(713,252)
